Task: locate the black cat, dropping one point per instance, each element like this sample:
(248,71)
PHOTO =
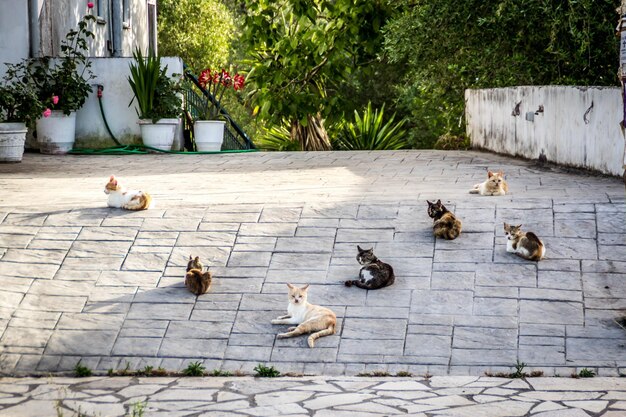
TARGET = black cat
(375,273)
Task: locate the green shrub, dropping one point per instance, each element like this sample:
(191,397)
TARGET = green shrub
(370,132)
(278,138)
(450,142)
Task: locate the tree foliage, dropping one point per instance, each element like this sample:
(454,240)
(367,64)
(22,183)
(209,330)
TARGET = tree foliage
(447,46)
(199,31)
(300,51)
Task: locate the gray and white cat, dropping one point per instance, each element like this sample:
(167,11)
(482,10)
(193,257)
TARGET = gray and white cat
(375,273)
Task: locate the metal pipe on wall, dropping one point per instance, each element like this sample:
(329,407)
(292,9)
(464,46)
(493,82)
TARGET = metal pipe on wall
(117,26)
(33,29)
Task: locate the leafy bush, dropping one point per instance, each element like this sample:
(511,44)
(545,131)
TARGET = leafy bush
(450,142)
(266,371)
(369,132)
(278,138)
(586,373)
(155,92)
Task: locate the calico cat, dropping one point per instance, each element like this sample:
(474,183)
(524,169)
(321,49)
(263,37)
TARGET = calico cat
(375,273)
(196,281)
(494,185)
(119,197)
(310,318)
(525,244)
(446,224)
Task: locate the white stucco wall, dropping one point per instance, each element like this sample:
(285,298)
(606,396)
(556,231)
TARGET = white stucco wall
(560,132)
(14,35)
(112,73)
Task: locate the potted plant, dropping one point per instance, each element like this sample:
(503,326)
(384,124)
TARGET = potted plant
(19,107)
(158,100)
(208,129)
(63,86)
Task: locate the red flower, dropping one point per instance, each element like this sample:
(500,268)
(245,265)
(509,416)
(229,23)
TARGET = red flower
(55,100)
(90,5)
(47,113)
(205,77)
(239,81)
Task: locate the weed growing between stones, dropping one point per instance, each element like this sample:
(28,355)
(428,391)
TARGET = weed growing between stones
(374,373)
(586,373)
(263,371)
(194,369)
(138,409)
(81,371)
(519,370)
(219,372)
(404,374)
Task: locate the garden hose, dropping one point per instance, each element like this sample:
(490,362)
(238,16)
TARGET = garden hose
(142,149)
(106,124)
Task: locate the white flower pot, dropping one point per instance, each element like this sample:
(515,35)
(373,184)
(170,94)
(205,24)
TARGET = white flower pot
(209,135)
(12,137)
(158,135)
(56,133)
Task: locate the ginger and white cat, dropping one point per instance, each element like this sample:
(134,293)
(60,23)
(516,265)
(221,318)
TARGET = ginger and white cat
(120,197)
(494,185)
(524,244)
(310,318)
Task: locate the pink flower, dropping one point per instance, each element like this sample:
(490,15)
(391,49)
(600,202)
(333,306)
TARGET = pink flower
(47,113)
(55,100)
(90,5)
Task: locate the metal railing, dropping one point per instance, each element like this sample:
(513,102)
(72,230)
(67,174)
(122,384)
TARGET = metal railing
(234,136)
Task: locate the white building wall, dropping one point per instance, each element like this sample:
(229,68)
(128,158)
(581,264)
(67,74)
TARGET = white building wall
(14,36)
(568,131)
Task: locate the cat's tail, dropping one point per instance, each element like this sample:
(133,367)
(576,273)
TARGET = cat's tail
(475,190)
(326,332)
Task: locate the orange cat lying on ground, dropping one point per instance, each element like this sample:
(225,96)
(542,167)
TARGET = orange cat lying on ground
(309,317)
(494,185)
(120,197)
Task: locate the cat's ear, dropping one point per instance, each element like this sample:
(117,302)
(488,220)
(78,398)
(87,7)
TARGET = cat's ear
(291,287)
(506,225)
(112,178)
(360,249)
(429,203)
(306,287)
(519,226)
(190,258)
(501,173)
(489,174)
(438,202)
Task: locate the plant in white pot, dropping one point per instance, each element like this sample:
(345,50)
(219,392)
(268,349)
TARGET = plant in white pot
(19,108)
(63,86)
(158,101)
(208,128)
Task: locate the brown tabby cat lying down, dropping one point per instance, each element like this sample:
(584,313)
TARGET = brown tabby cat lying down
(309,318)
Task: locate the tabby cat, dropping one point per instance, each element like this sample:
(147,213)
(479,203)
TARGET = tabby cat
(493,185)
(375,273)
(196,281)
(524,244)
(310,318)
(446,225)
(120,197)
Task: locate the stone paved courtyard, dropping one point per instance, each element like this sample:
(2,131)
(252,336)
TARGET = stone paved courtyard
(79,281)
(317,396)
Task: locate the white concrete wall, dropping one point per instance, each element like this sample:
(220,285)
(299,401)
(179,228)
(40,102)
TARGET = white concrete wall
(14,35)
(560,132)
(112,73)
